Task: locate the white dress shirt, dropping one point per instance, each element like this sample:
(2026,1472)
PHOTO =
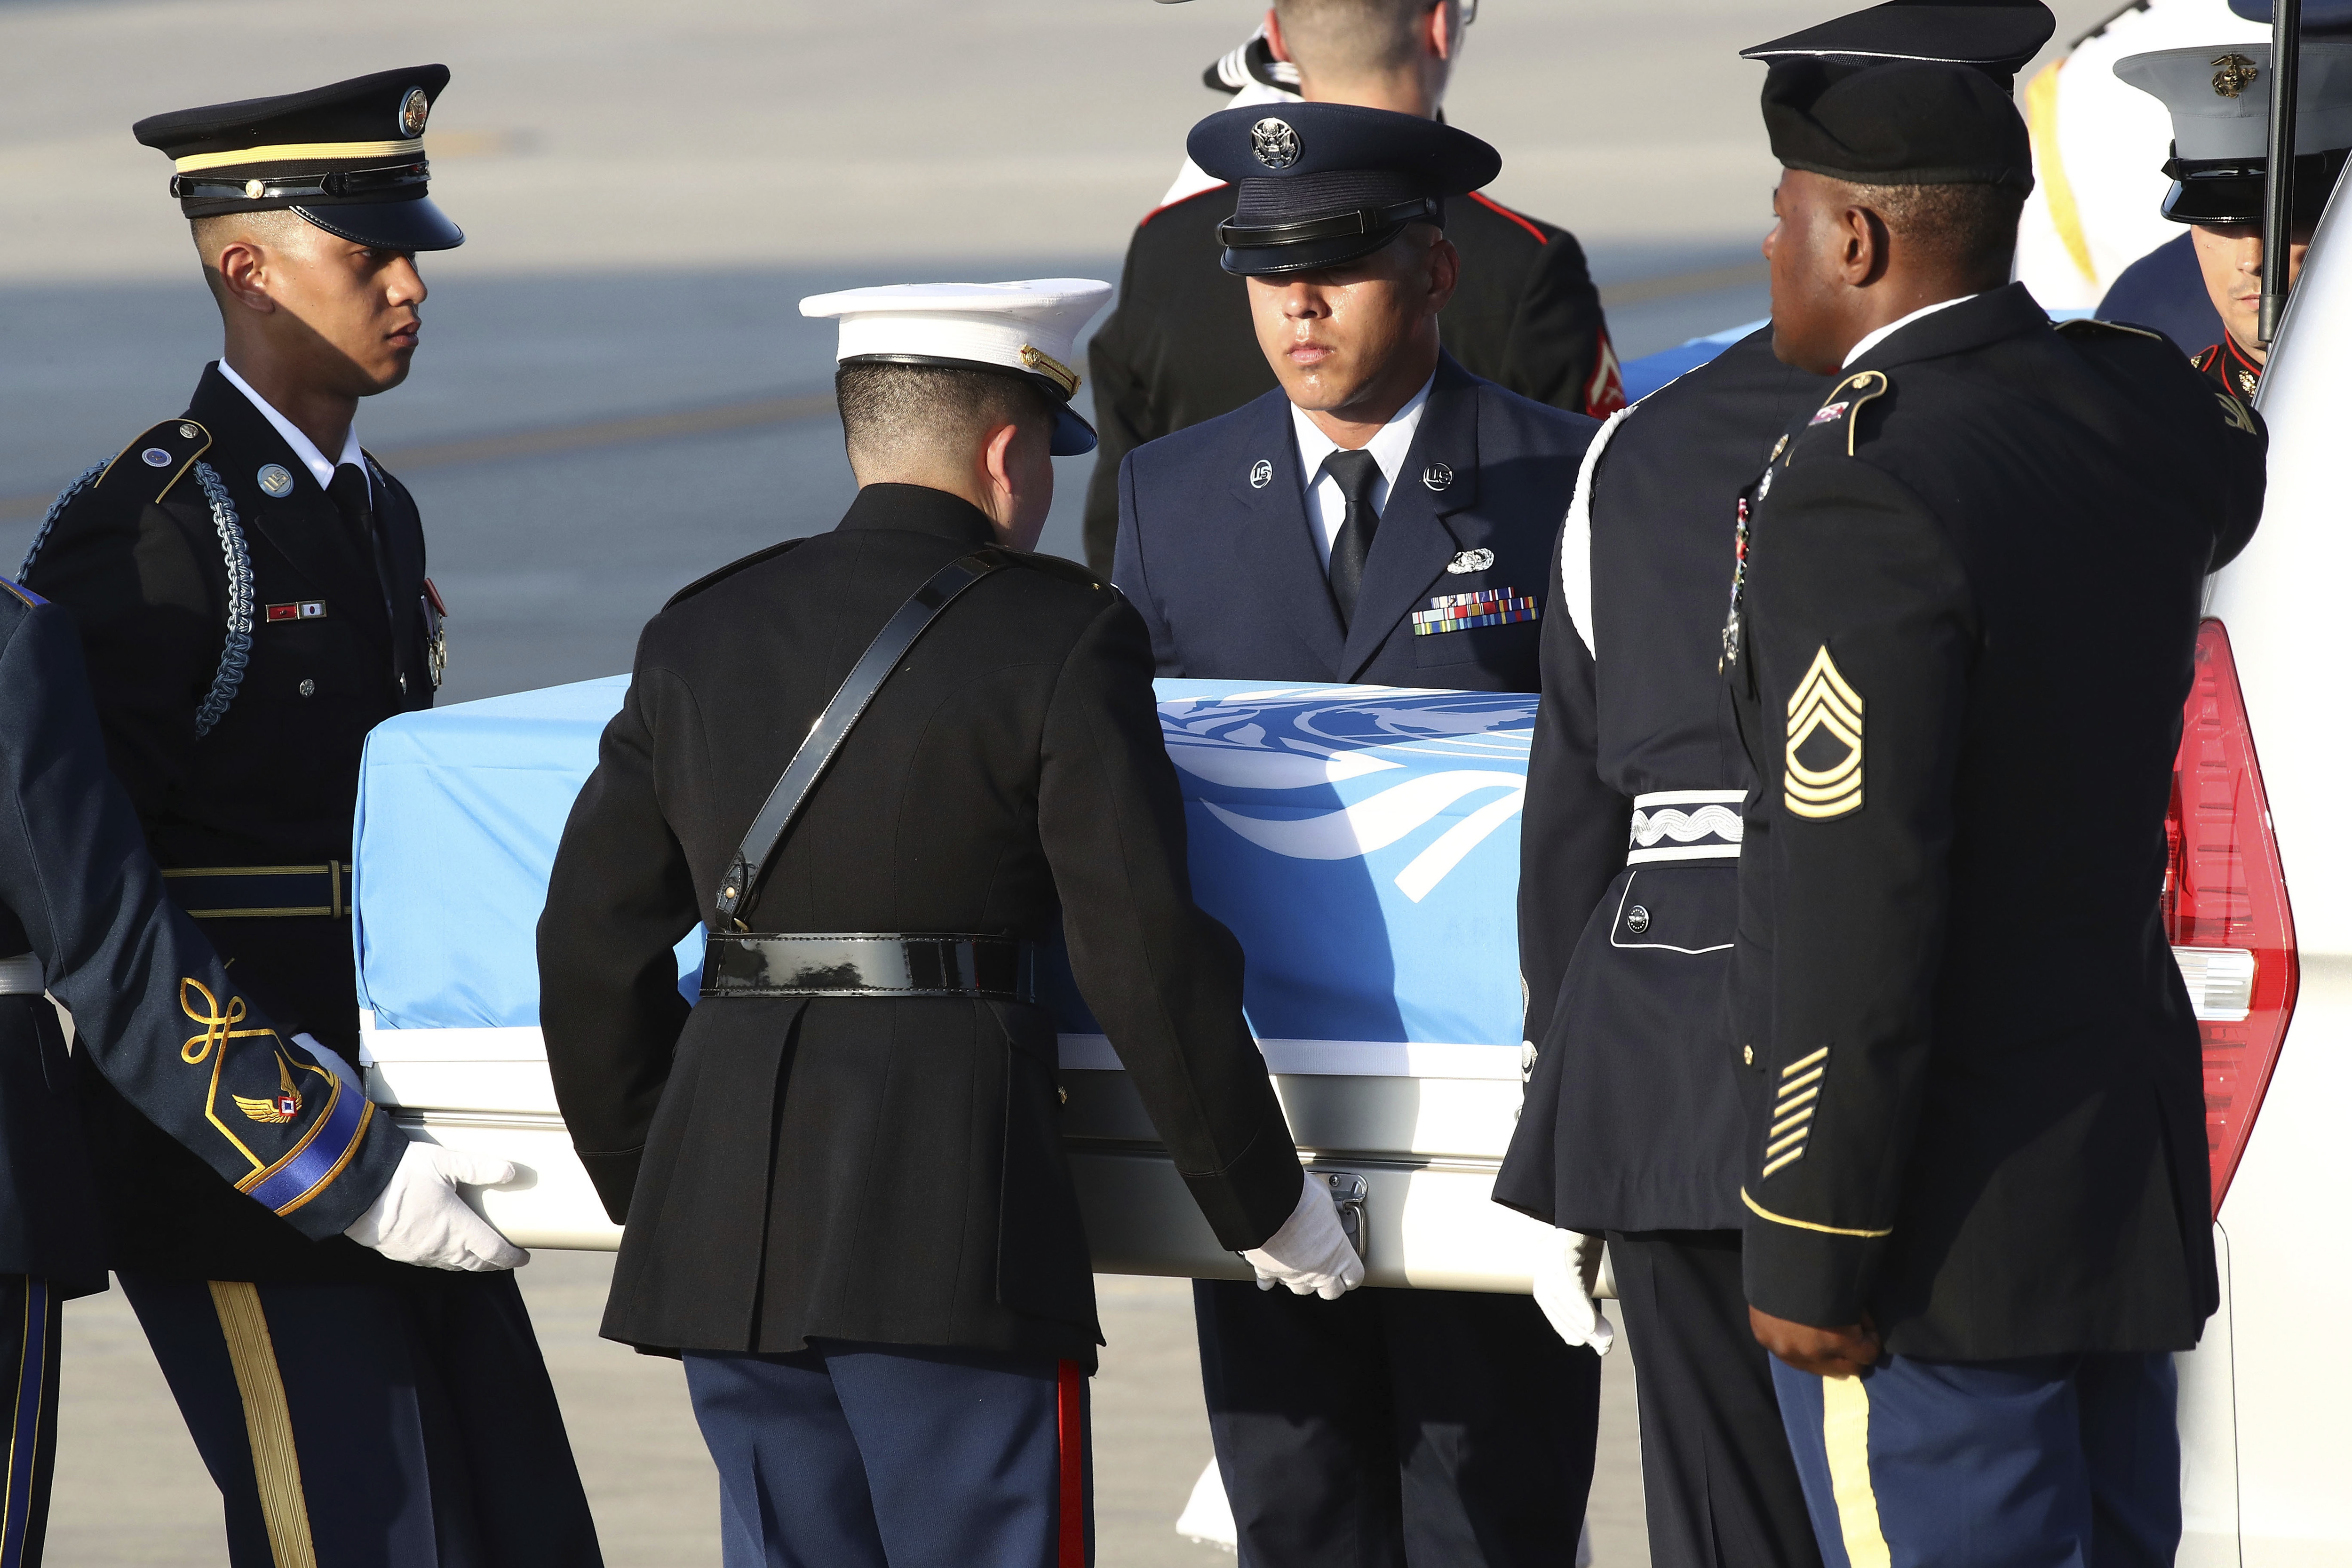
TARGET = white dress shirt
(1872,340)
(1327,504)
(304,448)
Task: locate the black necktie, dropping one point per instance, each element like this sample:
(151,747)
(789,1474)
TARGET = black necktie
(1357,472)
(349,492)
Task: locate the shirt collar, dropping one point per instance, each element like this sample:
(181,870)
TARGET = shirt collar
(302,446)
(1388,447)
(1872,340)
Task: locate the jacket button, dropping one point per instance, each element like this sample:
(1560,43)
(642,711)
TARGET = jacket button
(1637,919)
(1748,1056)
(308,687)
(403,685)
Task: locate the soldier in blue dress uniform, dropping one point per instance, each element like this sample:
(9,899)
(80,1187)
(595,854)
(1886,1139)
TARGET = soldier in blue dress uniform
(1629,860)
(1381,516)
(249,586)
(84,918)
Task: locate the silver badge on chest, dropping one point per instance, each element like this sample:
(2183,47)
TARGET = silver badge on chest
(1470,561)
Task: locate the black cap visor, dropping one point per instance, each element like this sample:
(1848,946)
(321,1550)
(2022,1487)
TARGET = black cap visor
(1073,437)
(416,225)
(1308,245)
(2230,191)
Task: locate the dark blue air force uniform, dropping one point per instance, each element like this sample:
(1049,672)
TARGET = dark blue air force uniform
(84,917)
(1442,1426)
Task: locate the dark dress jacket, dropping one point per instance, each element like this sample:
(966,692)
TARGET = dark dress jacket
(171,570)
(1216,552)
(154,1010)
(888,1169)
(1180,347)
(1629,848)
(1972,594)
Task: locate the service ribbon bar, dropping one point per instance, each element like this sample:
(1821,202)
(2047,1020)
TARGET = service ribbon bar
(1484,607)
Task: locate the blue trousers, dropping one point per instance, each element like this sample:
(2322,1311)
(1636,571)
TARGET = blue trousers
(28,1385)
(867,1456)
(2068,1461)
(372,1427)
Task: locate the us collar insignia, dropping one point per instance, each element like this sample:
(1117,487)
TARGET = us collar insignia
(1438,477)
(1824,723)
(275,481)
(1261,474)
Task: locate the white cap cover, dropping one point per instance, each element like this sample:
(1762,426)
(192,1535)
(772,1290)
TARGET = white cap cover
(1029,328)
(2219,97)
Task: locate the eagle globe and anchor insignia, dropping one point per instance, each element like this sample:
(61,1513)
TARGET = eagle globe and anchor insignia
(1274,143)
(1824,756)
(2235,74)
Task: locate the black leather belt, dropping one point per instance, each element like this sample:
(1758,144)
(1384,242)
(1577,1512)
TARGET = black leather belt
(869,963)
(227,892)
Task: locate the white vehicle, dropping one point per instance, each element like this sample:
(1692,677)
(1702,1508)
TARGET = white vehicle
(2267,1454)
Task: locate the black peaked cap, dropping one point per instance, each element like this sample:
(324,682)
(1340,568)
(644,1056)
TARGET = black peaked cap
(1996,37)
(348,157)
(1898,124)
(1316,184)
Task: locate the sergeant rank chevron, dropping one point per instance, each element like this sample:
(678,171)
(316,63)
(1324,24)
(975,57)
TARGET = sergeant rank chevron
(1827,713)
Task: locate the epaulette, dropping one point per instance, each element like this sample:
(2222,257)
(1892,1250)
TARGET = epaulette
(1842,405)
(1067,570)
(32,601)
(700,583)
(2092,327)
(160,458)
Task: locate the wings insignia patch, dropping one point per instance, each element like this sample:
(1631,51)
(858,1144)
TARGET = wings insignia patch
(282,1107)
(1824,756)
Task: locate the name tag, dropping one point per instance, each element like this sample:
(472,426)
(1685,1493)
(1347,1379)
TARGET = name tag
(1460,612)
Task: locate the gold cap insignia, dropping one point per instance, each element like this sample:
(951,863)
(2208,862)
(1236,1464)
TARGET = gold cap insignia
(1826,711)
(1051,369)
(2236,73)
(413,108)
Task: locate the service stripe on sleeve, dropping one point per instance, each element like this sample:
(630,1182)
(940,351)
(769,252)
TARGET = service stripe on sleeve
(318,1159)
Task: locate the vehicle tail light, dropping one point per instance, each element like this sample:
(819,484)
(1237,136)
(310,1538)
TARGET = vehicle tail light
(2225,904)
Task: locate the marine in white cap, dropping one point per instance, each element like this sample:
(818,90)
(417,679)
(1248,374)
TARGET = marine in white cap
(845,1198)
(2220,99)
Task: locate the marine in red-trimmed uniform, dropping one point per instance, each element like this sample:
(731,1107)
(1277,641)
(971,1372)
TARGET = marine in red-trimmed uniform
(1180,348)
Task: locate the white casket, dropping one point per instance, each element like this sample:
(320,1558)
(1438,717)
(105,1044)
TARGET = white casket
(1362,842)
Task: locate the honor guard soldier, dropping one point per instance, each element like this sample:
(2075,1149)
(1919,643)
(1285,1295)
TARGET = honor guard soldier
(1382,516)
(249,586)
(1960,640)
(845,1197)
(2220,99)
(1179,349)
(1629,869)
(84,916)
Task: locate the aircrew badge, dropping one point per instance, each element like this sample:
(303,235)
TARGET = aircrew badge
(282,1107)
(1824,756)
(1274,143)
(1469,560)
(2236,74)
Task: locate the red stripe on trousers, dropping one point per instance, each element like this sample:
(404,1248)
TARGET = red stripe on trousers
(1072,1434)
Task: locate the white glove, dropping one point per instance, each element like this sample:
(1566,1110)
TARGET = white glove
(1567,1274)
(1310,1252)
(420,1218)
(333,1061)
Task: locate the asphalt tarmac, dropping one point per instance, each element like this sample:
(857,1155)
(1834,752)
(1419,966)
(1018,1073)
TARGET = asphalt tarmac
(615,393)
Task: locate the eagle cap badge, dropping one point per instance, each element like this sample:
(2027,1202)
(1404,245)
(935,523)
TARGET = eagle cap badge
(1274,143)
(414,109)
